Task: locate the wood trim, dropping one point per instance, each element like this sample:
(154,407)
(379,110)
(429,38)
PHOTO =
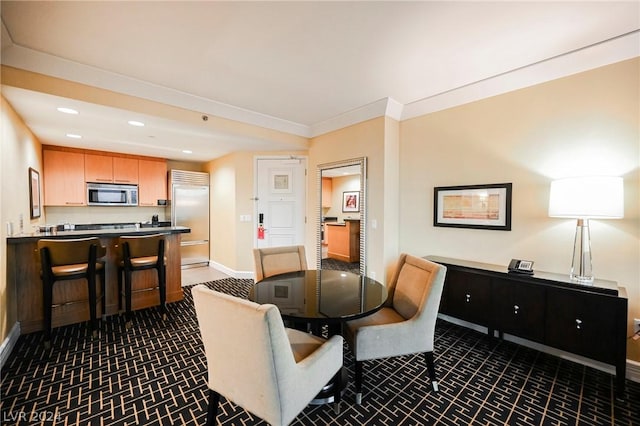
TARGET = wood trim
(96,152)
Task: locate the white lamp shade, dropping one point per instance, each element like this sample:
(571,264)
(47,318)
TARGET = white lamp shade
(597,197)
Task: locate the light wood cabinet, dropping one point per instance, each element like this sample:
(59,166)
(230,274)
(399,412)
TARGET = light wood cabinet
(108,169)
(98,168)
(344,241)
(63,178)
(125,170)
(152,182)
(327,191)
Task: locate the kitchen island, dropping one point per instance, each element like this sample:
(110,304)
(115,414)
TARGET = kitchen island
(23,275)
(343,240)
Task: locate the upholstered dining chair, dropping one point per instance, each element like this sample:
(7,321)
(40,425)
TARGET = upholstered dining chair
(254,361)
(278,260)
(406,324)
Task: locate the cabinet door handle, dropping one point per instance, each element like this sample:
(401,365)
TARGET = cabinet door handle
(467,298)
(578,323)
(516,308)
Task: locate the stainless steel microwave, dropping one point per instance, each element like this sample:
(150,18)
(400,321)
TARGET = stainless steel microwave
(104,194)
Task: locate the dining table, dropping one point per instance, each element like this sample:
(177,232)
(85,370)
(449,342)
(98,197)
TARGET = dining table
(321,296)
(314,298)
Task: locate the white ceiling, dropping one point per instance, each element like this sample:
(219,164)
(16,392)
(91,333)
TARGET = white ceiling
(297,67)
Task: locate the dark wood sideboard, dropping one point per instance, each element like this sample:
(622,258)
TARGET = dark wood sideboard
(546,308)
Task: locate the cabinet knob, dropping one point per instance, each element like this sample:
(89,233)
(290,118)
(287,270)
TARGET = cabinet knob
(578,323)
(516,308)
(467,298)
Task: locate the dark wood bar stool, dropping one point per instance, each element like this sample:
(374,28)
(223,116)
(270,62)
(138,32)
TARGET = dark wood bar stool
(73,259)
(140,253)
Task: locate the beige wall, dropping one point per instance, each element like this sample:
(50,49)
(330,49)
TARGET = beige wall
(19,150)
(232,193)
(585,123)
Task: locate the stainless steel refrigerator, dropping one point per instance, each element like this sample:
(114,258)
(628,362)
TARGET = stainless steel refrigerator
(190,208)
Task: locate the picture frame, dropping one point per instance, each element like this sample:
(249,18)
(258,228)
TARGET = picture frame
(350,201)
(35,205)
(281,182)
(473,206)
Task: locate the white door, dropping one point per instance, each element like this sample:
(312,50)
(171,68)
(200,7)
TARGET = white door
(280,205)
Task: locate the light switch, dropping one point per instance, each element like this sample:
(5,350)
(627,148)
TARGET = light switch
(374,224)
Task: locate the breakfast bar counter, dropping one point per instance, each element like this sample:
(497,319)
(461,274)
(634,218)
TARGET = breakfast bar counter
(23,274)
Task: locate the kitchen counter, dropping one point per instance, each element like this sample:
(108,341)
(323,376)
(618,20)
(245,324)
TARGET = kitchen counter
(343,240)
(105,231)
(23,275)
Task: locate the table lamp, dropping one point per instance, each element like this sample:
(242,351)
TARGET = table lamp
(584,198)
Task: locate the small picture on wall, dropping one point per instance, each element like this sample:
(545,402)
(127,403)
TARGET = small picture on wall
(350,201)
(34,193)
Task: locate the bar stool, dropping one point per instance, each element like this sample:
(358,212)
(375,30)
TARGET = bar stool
(140,253)
(73,259)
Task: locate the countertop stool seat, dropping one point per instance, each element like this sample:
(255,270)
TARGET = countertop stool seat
(140,253)
(71,259)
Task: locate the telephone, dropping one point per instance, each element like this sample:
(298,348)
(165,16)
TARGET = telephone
(521,266)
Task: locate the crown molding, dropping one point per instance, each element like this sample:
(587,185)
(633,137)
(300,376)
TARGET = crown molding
(27,59)
(606,52)
(617,49)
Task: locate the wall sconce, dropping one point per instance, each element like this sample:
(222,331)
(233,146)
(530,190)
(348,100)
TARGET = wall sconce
(584,198)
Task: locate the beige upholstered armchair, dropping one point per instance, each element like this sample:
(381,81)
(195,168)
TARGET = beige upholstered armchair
(406,324)
(278,260)
(254,361)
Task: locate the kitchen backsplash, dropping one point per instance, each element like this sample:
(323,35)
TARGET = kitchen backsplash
(79,215)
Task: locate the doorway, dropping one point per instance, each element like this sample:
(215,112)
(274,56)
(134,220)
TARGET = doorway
(280,201)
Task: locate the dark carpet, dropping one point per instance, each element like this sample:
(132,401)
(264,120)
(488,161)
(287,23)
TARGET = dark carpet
(340,265)
(154,374)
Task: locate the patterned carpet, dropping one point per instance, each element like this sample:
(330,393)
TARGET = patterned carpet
(340,265)
(155,374)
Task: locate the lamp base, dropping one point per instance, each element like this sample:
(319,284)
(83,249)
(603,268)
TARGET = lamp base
(581,263)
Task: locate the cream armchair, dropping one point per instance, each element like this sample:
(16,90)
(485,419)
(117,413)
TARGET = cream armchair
(254,361)
(278,260)
(406,324)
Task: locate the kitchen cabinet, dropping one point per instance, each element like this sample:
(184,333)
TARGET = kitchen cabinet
(125,170)
(98,168)
(343,240)
(63,178)
(327,192)
(586,320)
(152,182)
(109,169)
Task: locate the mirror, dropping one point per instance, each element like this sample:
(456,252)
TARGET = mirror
(341,238)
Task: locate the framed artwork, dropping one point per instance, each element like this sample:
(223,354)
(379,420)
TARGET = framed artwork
(281,182)
(473,206)
(34,193)
(350,201)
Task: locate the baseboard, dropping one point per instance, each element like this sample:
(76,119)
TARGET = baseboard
(9,343)
(633,367)
(233,273)
(633,371)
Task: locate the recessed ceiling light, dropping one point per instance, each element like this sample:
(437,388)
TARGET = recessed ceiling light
(67,110)
(187,151)
(74,136)
(136,123)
